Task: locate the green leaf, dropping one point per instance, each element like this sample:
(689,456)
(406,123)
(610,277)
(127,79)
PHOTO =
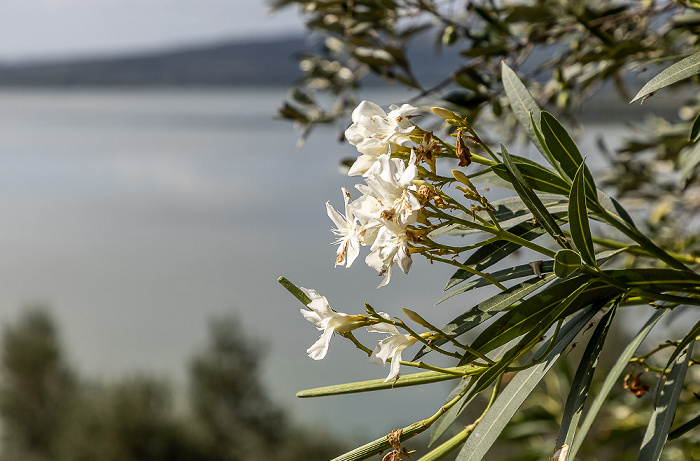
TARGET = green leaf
(413,379)
(533,335)
(539,177)
(610,381)
(560,143)
(488,308)
(692,334)
(564,149)
(531,200)
(490,254)
(613,206)
(582,380)
(524,107)
(530,312)
(513,396)
(676,72)
(657,280)
(665,408)
(695,129)
(578,218)
(508,212)
(446,420)
(566,262)
(688,160)
(504,275)
(685,427)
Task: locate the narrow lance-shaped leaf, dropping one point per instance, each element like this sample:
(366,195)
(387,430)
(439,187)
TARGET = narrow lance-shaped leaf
(487,309)
(524,107)
(582,379)
(578,218)
(664,408)
(530,312)
(522,270)
(505,406)
(445,421)
(539,178)
(692,334)
(676,72)
(533,335)
(564,149)
(610,380)
(412,379)
(488,255)
(531,200)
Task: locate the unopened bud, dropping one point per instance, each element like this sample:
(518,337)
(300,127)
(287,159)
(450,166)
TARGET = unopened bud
(444,113)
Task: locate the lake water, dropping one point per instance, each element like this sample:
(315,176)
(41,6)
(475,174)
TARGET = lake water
(138,215)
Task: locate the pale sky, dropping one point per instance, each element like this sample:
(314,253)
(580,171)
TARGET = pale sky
(40,29)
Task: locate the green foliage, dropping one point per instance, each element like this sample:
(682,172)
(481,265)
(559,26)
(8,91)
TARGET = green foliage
(511,61)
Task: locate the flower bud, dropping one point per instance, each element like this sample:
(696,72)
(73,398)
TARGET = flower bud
(444,113)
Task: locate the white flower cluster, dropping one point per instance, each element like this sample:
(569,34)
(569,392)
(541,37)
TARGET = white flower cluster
(388,205)
(329,321)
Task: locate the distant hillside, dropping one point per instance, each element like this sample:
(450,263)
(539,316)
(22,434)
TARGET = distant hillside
(233,63)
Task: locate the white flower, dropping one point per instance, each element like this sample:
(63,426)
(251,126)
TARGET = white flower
(325,319)
(390,181)
(373,131)
(390,347)
(390,246)
(348,232)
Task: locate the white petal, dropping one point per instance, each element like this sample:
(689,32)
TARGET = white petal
(395,366)
(319,349)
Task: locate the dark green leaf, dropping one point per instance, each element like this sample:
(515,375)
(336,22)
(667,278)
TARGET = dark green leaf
(524,106)
(531,200)
(695,129)
(508,402)
(504,275)
(539,177)
(610,381)
(684,428)
(446,420)
(566,262)
(682,69)
(565,151)
(582,379)
(614,207)
(530,312)
(488,308)
(488,255)
(665,408)
(578,218)
(692,334)
(560,144)
(508,212)
(534,335)
(657,280)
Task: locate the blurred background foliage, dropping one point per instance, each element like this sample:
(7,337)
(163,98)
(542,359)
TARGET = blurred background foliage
(49,412)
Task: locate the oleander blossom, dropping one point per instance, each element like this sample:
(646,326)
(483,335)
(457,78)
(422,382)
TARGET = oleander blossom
(380,217)
(390,181)
(390,347)
(348,233)
(389,248)
(373,132)
(326,319)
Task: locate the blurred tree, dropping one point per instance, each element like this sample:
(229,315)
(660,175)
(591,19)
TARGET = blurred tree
(49,413)
(131,420)
(36,387)
(236,417)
